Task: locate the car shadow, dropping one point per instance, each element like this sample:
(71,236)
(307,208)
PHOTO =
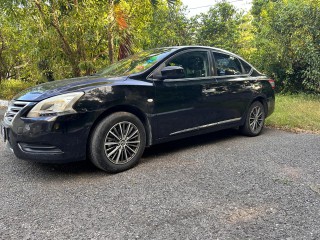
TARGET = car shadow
(185,143)
(70,168)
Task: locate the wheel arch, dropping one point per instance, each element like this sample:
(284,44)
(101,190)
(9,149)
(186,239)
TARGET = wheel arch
(260,99)
(263,101)
(125,108)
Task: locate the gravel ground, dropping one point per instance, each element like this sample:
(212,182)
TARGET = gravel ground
(2,111)
(216,186)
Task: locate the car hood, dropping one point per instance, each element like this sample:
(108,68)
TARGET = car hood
(50,89)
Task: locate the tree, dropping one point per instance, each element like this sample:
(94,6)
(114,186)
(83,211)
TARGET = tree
(287,40)
(13,61)
(219,27)
(65,38)
(166,27)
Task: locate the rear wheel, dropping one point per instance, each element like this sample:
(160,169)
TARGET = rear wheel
(254,122)
(117,143)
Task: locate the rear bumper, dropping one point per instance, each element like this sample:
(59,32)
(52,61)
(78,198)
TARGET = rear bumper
(50,140)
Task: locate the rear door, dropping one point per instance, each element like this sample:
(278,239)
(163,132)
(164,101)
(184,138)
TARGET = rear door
(233,91)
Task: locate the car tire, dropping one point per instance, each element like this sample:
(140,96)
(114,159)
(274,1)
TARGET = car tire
(254,121)
(117,142)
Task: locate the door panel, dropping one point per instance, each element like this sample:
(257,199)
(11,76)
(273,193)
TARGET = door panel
(235,85)
(232,96)
(183,105)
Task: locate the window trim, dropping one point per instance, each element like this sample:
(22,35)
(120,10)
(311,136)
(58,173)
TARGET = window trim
(187,79)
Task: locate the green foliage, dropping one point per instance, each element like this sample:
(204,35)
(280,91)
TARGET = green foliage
(47,40)
(287,39)
(167,27)
(219,27)
(225,27)
(246,41)
(9,88)
(13,60)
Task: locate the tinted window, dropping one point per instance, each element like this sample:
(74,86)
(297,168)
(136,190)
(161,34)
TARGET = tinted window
(194,63)
(227,65)
(246,67)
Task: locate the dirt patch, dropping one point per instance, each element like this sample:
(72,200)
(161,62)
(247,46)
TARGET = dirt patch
(293,130)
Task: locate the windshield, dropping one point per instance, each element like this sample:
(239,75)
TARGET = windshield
(136,63)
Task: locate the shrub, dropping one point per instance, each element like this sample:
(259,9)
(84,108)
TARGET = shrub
(9,88)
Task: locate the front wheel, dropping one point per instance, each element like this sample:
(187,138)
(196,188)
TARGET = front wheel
(117,143)
(254,120)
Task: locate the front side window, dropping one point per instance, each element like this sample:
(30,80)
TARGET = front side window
(194,63)
(227,65)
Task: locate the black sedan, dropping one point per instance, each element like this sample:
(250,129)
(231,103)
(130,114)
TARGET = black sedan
(155,96)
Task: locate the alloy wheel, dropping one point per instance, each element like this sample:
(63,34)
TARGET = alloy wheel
(256,119)
(122,142)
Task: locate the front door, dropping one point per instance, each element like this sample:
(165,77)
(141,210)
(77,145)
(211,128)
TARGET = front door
(181,105)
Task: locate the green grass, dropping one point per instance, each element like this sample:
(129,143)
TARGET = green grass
(299,112)
(9,88)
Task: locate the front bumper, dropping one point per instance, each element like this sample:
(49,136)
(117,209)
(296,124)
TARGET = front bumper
(59,139)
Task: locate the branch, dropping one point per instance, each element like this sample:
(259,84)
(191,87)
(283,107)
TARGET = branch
(55,24)
(100,54)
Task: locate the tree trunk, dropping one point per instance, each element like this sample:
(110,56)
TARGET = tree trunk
(110,46)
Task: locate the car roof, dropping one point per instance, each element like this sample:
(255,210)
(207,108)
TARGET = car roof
(199,46)
(179,48)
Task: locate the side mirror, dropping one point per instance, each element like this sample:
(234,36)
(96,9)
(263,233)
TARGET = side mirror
(172,72)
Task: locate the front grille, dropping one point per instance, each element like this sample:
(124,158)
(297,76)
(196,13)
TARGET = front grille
(13,109)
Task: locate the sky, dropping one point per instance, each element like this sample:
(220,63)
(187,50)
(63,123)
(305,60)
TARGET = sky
(198,6)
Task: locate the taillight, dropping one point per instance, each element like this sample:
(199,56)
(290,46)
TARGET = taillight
(272,83)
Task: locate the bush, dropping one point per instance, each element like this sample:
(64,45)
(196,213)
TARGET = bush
(9,88)
(287,41)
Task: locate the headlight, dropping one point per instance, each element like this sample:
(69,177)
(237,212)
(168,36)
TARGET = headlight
(58,105)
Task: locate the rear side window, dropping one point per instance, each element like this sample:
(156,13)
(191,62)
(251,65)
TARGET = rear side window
(227,65)
(246,67)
